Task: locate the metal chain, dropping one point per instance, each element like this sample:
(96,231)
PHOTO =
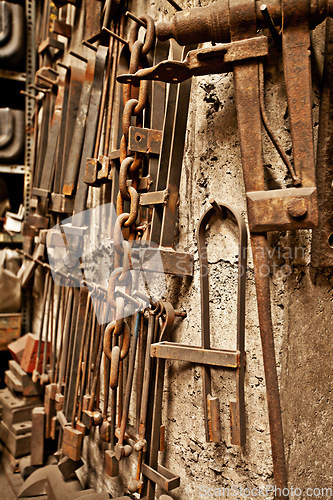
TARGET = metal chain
(135,101)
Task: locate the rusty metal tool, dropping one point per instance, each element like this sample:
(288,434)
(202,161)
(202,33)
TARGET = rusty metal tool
(47,283)
(70,177)
(75,349)
(155,473)
(73,438)
(85,368)
(147,392)
(92,417)
(91,129)
(322,236)
(74,77)
(43,190)
(121,450)
(100,164)
(64,349)
(217,357)
(48,326)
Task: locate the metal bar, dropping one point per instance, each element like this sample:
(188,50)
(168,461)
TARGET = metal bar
(161,476)
(194,354)
(246,80)
(90,133)
(163,164)
(70,178)
(158,397)
(297,74)
(322,236)
(170,210)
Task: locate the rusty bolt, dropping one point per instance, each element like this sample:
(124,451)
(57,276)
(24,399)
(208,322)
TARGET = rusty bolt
(297,208)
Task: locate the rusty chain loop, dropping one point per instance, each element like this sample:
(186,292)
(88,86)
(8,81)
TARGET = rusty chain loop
(135,101)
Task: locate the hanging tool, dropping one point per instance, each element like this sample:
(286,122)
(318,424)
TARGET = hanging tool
(217,357)
(153,472)
(121,450)
(322,236)
(267,210)
(73,438)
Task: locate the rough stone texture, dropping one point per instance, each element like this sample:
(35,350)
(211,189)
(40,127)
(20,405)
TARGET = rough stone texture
(301,308)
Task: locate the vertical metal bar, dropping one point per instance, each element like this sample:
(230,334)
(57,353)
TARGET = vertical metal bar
(322,236)
(246,81)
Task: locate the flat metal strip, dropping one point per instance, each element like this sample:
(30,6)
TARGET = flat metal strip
(91,128)
(322,236)
(194,354)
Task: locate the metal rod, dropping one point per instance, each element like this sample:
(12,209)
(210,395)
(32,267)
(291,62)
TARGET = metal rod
(271,26)
(23,92)
(117,37)
(89,45)
(260,264)
(47,80)
(62,65)
(52,70)
(135,19)
(39,89)
(78,56)
(174,5)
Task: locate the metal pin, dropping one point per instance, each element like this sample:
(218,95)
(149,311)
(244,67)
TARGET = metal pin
(47,80)
(78,56)
(136,19)
(23,92)
(271,26)
(217,208)
(181,314)
(120,293)
(117,37)
(174,4)
(39,89)
(62,65)
(89,45)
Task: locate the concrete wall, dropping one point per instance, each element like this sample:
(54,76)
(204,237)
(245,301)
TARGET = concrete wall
(301,309)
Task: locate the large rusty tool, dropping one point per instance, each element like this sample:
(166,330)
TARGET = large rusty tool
(154,472)
(235,24)
(72,438)
(205,355)
(122,450)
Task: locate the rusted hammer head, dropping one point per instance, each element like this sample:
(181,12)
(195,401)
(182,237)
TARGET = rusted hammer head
(122,451)
(105,430)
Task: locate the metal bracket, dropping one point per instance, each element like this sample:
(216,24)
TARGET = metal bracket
(144,140)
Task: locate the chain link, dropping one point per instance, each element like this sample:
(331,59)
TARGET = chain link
(134,101)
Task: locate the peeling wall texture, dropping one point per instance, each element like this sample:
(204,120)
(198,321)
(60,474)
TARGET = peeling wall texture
(301,308)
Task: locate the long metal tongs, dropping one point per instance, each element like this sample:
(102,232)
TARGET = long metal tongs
(204,354)
(224,358)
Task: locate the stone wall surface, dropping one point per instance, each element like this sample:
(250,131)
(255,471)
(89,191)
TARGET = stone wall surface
(301,308)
